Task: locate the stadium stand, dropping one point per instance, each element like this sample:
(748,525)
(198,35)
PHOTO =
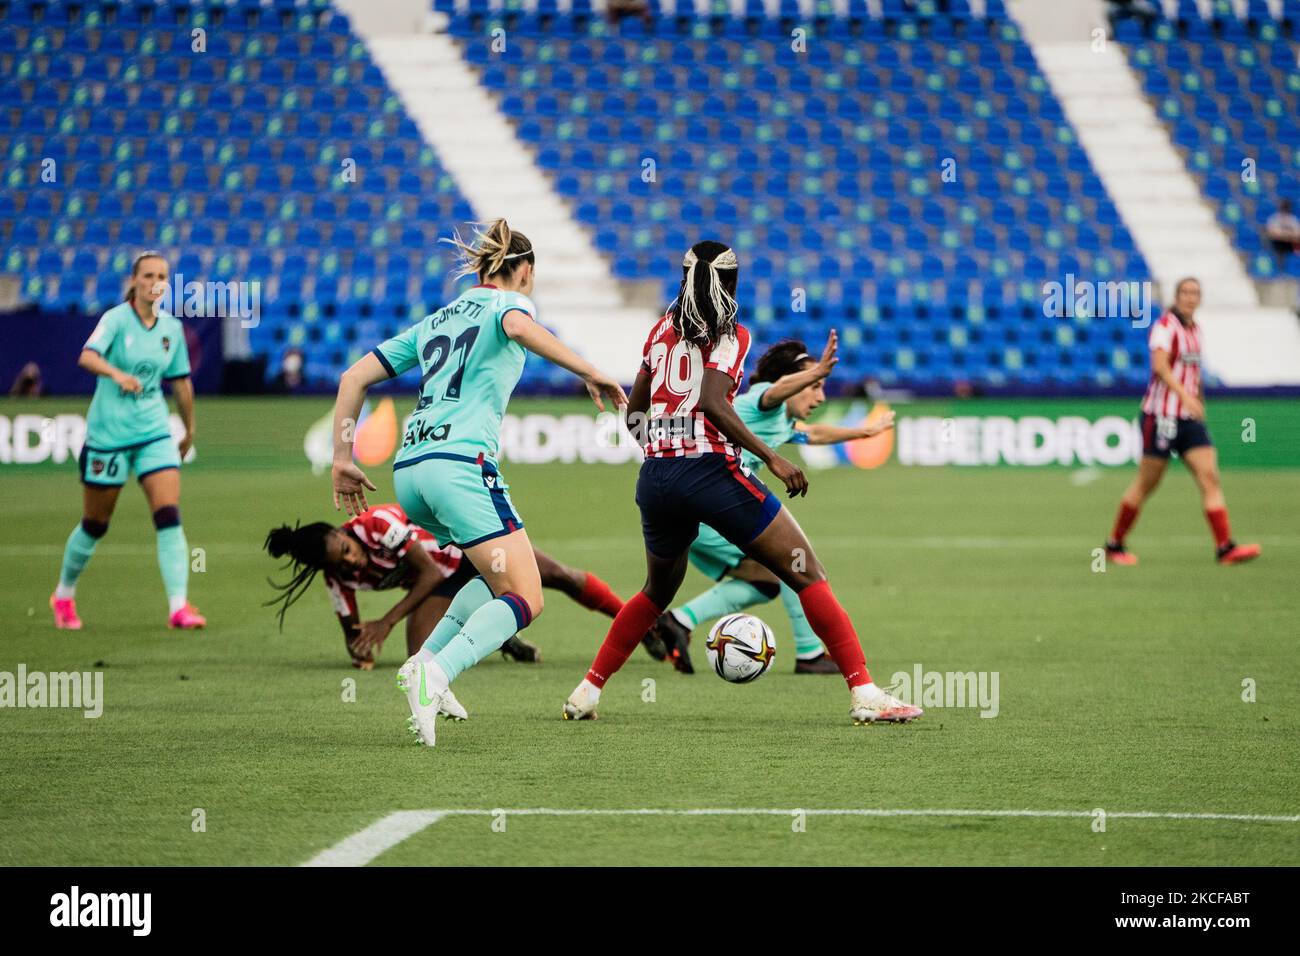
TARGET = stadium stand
(829,179)
(230,160)
(1227,87)
(824,163)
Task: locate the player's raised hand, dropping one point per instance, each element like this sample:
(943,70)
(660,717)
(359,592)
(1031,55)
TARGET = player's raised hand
(350,484)
(600,387)
(826,364)
(883,424)
(789,473)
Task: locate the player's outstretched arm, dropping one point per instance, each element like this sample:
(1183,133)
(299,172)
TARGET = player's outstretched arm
(521,328)
(713,403)
(790,385)
(836,434)
(350,482)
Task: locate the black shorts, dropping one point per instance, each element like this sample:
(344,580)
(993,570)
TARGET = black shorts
(463,574)
(676,494)
(1161,435)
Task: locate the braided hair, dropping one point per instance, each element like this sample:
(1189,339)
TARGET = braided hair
(705,308)
(305,547)
(784,358)
(494,251)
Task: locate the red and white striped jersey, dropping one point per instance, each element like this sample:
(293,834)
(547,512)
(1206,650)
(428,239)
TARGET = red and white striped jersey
(1183,343)
(677,367)
(387,536)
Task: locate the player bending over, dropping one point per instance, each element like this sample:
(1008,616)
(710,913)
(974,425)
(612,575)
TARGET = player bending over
(470,354)
(380,550)
(789,385)
(691,367)
(134,349)
(1173,420)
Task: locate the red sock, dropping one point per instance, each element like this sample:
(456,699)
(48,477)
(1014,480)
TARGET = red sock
(597,596)
(832,625)
(1218,519)
(624,635)
(1123,521)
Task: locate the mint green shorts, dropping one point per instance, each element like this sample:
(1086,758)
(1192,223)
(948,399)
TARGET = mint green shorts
(713,554)
(108,467)
(457,499)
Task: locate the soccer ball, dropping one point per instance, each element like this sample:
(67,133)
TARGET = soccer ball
(741,648)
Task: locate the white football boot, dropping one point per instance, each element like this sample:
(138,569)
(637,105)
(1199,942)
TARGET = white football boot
(868,704)
(424,695)
(451,708)
(581,704)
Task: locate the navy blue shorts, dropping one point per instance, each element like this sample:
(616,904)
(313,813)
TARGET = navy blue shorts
(1161,435)
(464,573)
(677,494)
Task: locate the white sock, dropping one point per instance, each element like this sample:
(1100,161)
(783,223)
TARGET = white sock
(868,691)
(592,690)
(437,676)
(176,602)
(681,619)
(65,592)
(425,656)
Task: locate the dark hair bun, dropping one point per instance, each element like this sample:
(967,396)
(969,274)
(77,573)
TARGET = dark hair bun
(279,541)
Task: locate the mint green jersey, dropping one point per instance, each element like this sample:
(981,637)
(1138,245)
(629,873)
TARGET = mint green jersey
(772,425)
(153,355)
(468,368)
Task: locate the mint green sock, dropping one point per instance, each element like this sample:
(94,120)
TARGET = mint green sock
(725,597)
(806,643)
(174,561)
(76,554)
(486,630)
(467,600)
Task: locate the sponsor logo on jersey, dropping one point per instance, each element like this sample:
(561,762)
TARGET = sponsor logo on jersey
(419,432)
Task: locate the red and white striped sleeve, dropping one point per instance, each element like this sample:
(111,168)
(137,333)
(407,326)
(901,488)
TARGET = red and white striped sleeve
(386,527)
(728,353)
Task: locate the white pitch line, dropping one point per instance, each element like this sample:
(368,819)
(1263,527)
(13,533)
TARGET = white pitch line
(364,846)
(384,834)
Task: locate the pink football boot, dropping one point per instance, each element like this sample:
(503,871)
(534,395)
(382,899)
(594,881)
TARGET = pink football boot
(187,619)
(65,613)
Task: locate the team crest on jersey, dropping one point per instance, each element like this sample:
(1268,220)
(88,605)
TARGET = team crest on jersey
(166,344)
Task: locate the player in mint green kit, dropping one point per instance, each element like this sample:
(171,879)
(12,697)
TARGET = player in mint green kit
(135,348)
(788,387)
(470,354)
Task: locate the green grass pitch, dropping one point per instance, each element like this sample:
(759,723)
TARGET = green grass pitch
(1120,691)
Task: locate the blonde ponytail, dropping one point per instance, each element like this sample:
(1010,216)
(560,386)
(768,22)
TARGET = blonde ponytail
(491,251)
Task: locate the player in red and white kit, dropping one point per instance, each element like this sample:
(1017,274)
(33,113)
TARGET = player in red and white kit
(681,410)
(1173,420)
(381,549)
